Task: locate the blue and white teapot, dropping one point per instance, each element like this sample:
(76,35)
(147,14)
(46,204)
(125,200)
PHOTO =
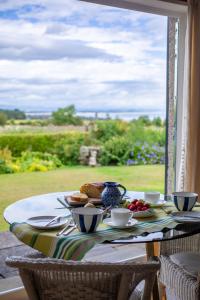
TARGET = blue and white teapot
(111,195)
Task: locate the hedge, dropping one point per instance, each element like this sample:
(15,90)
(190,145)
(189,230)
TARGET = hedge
(40,142)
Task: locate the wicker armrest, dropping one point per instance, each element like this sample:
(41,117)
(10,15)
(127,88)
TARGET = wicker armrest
(187,244)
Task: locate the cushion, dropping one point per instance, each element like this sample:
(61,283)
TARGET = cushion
(189,261)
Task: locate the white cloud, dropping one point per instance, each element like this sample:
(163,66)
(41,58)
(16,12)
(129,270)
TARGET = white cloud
(54,53)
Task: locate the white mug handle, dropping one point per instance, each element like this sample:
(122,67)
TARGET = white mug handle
(131,214)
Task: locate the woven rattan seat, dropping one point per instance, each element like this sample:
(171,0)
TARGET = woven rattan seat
(56,279)
(181,283)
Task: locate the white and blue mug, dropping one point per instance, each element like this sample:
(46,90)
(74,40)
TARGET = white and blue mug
(184,201)
(87,219)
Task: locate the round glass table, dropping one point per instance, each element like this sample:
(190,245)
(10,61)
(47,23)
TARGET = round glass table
(48,204)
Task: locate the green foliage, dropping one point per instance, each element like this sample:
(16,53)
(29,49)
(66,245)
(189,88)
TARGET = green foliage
(157,122)
(104,130)
(141,134)
(6,155)
(30,122)
(121,143)
(40,142)
(4,168)
(143,154)
(116,151)
(66,116)
(3,118)
(68,148)
(37,161)
(15,114)
(29,162)
(144,120)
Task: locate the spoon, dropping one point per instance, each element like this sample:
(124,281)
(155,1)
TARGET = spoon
(70,223)
(168,212)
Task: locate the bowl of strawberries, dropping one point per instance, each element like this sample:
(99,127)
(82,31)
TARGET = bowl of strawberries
(140,208)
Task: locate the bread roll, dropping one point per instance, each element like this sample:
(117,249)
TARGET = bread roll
(81,197)
(89,205)
(92,190)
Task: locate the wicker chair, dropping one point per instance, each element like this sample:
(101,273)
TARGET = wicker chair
(56,279)
(180,267)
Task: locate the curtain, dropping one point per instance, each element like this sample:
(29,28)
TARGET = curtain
(191,171)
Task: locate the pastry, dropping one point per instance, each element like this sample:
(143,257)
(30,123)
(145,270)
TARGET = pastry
(81,197)
(90,205)
(92,190)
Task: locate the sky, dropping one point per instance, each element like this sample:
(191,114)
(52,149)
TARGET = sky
(57,53)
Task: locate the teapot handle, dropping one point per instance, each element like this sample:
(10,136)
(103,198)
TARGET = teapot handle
(119,185)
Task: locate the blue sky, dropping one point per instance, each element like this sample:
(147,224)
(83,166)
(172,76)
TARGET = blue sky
(57,53)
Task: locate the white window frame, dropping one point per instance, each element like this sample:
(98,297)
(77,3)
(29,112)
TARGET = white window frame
(164,8)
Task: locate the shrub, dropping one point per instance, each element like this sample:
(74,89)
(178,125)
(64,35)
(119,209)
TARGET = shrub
(4,168)
(68,149)
(116,151)
(105,130)
(39,142)
(121,150)
(146,154)
(6,155)
(37,161)
(141,134)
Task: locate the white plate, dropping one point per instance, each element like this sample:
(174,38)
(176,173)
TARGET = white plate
(186,216)
(39,222)
(160,203)
(130,224)
(144,213)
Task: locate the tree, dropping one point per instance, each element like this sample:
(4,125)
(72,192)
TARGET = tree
(157,122)
(15,114)
(144,120)
(3,119)
(66,116)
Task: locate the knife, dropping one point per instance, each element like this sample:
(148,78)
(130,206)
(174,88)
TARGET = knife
(69,230)
(54,219)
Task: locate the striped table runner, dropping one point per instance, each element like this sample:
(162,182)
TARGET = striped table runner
(75,245)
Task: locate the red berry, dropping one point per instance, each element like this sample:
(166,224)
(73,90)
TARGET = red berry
(144,208)
(134,201)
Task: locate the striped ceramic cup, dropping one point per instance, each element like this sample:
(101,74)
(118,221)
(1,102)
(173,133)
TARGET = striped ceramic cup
(184,201)
(87,219)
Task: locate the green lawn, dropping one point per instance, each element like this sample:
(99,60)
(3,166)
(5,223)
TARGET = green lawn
(17,186)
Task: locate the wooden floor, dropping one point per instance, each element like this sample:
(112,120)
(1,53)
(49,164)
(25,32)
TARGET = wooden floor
(10,245)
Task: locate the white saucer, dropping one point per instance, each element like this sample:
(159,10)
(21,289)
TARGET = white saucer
(130,224)
(186,216)
(40,222)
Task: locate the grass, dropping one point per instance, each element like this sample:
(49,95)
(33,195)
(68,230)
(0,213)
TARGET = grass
(18,186)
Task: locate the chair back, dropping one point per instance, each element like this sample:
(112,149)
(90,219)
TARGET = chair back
(53,279)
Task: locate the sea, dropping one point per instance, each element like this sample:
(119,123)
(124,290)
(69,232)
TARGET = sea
(127,116)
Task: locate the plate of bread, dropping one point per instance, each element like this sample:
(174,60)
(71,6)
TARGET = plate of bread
(90,193)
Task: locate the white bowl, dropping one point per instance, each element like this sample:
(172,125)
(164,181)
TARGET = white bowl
(184,201)
(87,219)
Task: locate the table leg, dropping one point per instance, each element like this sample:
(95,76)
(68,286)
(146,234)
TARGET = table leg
(152,249)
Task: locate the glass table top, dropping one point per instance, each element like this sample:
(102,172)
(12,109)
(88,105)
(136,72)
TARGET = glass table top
(48,204)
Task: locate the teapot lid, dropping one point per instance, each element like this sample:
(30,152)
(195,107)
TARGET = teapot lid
(111,183)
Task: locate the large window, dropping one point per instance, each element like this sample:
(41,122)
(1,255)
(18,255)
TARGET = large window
(176,35)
